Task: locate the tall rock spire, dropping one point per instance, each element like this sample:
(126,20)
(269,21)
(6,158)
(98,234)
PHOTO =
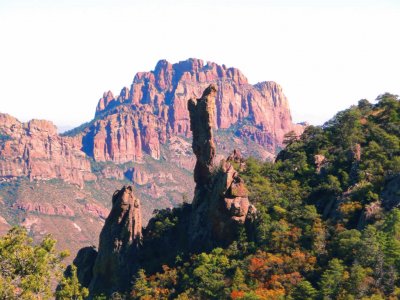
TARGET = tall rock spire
(202,120)
(220,203)
(119,241)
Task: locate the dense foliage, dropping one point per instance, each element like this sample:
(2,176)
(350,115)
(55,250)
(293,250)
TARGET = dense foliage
(28,271)
(324,230)
(31,270)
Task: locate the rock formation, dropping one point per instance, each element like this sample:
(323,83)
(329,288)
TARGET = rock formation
(119,241)
(35,150)
(158,98)
(142,135)
(84,261)
(202,118)
(221,203)
(220,208)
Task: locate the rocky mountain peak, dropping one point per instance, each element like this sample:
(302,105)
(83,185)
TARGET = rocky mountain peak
(259,112)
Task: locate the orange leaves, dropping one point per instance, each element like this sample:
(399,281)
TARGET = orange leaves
(285,236)
(279,273)
(237,294)
(268,294)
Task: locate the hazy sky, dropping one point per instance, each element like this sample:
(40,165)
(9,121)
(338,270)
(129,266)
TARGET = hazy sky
(58,57)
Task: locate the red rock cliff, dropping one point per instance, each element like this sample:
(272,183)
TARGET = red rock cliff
(159,100)
(35,150)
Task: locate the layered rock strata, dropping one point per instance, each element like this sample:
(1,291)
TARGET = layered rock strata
(138,122)
(35,150)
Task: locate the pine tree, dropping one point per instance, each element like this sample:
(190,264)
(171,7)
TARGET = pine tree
(70,288)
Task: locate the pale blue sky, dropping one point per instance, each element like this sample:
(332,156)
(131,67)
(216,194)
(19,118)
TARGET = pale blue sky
(57,57)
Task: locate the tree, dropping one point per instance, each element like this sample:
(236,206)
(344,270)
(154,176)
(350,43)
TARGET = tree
(141,287)
(348,244)
(70,288)
(332,279)
(304,291)
(238,281)
(27,270)
(209,273)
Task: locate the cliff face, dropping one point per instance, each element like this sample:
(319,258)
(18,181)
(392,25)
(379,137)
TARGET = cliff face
(125,135)
(35,150)
(162,95)
(142,119)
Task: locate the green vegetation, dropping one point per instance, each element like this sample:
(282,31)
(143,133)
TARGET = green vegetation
(323,230)
(30,270)
(27,271)
(70,288)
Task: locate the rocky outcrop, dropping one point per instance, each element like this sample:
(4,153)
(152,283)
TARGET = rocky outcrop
(124,135)
(319,161)
(84,261)
(119,241)
(202,119)
(35,150)
(219,210)
(220,204)
(47,209)
(158,101)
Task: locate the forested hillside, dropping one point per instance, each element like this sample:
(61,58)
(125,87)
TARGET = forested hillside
(327,226)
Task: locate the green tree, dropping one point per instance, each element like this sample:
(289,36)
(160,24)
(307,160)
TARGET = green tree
(238,281)
(28,270)
(304,291)
(208,274)
(70,288)
(332,279)
(348,244)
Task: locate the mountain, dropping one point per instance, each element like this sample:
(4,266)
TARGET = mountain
(61,184)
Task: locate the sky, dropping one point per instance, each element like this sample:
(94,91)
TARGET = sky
(58,57)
